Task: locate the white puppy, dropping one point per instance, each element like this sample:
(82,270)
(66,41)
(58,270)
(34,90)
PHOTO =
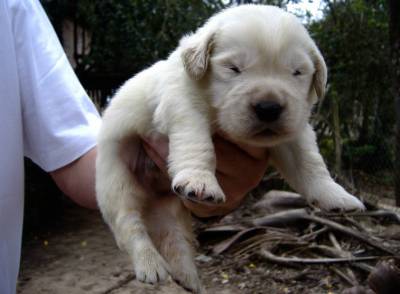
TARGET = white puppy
(251,71)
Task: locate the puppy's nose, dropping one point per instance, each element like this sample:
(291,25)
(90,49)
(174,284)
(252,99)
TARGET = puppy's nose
(268,111)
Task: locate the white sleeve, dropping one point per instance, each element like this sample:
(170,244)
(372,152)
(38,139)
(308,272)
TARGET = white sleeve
(60,121)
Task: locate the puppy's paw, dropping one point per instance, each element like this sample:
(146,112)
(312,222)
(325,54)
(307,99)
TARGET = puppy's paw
(198,186)
(332,196)
(189,281)
(150,267)
(185,274)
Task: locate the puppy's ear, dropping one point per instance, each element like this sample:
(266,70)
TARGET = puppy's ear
(320,75)
(196,50)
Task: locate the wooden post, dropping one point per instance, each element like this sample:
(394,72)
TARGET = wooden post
(337,136)
(397,159)
(394,28)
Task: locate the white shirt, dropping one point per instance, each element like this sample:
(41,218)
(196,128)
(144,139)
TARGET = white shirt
(45,115)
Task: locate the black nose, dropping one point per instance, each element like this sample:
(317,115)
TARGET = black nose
(267,111)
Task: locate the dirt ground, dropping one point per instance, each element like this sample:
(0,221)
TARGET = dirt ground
(77,254)
(68,249)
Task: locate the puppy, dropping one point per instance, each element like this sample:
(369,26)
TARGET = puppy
(252,72)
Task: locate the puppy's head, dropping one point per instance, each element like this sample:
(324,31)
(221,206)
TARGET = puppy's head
(261,69)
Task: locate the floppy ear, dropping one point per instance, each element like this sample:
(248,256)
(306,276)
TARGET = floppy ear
(320,75)
(196,50)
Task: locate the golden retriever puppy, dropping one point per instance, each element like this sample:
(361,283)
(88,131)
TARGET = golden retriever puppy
(252,72)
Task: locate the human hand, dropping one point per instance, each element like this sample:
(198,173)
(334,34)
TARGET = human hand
(240,168)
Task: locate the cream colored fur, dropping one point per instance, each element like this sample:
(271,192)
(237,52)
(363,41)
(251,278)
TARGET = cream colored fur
(240,57)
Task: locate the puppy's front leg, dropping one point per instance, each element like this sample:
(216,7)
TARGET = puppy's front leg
(191,160)
(302,166)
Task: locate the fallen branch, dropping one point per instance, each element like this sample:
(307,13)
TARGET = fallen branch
(294,260)
(345,230)
(335,243)
(282,218)
(343,253)
(296,215)
(330,251)
(375,213)
(224,245)
(346,277)
(276,200)
(376,201)
(313,235)
(336,253)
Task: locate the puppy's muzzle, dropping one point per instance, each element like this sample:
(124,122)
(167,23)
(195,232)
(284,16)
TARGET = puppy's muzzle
(268,111)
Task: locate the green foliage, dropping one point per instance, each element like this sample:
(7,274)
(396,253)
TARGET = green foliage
(327,148)
(353,37)
(372,156)
(133,34)
(129,35)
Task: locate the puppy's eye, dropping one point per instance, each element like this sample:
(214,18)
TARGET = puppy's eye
(235,69)
(297,73)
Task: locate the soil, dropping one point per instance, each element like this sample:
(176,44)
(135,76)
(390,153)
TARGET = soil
(77,254)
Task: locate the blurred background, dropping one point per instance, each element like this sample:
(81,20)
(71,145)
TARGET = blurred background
(108,41)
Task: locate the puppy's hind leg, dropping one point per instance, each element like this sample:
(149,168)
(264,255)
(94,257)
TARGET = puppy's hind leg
(121,200)
(122,204)
(170,227)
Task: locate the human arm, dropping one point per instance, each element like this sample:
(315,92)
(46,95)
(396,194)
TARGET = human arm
(60,123)
(239,170)
(77,179)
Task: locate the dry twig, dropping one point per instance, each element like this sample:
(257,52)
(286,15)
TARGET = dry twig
(295,215)
(361,237)
(293,260)
(349,279)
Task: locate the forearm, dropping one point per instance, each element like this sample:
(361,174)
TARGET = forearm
(77,179)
